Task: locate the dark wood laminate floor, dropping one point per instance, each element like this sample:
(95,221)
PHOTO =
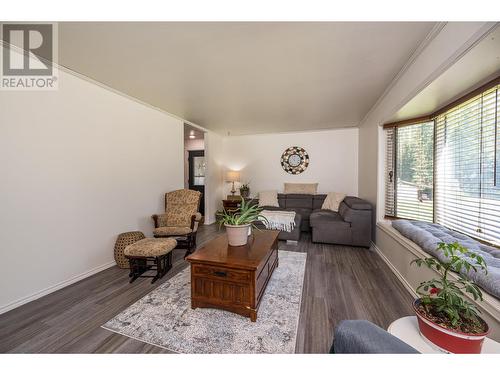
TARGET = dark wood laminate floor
(341,282)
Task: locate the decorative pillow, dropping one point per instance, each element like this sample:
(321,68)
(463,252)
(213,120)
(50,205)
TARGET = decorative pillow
(268,198)
(292,188)
(332,201)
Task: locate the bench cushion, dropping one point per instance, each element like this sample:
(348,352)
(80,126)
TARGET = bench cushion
(150,247)
(428,236)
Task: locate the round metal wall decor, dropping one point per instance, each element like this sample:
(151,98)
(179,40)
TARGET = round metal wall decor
(294,160)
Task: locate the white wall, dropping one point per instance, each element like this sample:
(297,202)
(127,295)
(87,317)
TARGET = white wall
(333,156)
(78,166)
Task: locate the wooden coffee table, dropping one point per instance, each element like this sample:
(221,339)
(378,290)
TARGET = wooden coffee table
(233,278)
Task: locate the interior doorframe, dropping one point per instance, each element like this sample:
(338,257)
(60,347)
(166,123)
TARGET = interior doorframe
(191,155)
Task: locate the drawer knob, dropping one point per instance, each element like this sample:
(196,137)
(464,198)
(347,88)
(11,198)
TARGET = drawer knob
(220,273)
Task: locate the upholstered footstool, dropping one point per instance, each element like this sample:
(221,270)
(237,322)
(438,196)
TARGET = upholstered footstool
(150,254)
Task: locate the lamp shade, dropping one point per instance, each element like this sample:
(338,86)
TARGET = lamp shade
(232,176)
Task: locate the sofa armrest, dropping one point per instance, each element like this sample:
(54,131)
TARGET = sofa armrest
(364,337)
(357,203)
(359,219)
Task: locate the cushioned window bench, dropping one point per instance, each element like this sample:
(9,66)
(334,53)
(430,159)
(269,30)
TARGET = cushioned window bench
(398,251)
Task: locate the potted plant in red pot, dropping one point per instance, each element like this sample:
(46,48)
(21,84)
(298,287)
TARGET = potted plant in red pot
(444,315)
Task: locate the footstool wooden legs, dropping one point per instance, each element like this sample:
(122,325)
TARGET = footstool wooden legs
(150,254)
(138,265)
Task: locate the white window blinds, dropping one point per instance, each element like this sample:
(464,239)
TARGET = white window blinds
(467,148)
(390,169)
(409,171)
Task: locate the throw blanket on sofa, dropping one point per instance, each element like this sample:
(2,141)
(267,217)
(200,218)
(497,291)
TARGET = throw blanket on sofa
(428,235)
(279,220)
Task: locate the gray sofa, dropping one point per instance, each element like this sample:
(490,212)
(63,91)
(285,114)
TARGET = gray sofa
(364,337)
(352,225)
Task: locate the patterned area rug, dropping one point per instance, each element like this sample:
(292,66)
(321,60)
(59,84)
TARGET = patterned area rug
(164,317)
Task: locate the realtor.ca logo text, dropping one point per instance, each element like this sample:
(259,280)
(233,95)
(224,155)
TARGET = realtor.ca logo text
(29,56)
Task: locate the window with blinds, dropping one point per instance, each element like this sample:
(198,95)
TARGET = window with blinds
(409,171)
(447,170)
(467,190)
(390,168)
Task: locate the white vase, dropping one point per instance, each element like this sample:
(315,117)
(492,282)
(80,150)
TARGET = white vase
(237,235)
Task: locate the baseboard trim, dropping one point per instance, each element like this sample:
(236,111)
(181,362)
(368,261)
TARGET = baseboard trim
(209,221)
(53,288)
(395,271)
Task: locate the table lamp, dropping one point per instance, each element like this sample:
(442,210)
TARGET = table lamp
(232,176)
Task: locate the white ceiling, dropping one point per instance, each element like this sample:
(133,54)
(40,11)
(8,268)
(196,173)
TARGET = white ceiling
(478,66)
(246,78)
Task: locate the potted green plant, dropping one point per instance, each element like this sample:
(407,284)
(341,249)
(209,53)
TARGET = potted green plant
(445,316)
(238,223)
(245,190)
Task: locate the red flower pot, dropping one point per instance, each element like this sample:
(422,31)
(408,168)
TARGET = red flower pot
(452,341)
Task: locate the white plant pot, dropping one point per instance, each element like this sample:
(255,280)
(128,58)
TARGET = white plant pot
(237,235)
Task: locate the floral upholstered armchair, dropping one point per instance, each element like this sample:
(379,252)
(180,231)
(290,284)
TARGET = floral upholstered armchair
(181,218)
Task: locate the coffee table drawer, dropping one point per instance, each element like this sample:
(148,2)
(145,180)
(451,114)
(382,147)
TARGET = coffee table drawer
(221,273)
(272,259)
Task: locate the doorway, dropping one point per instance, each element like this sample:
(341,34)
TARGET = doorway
(194,162)
(196,180)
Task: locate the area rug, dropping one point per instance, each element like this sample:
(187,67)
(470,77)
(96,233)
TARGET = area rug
(164,317)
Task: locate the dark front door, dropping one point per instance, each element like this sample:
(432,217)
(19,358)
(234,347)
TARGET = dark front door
(197,175)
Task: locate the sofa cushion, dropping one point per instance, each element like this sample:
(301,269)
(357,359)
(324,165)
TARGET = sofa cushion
(299,201)
(328,227)
(282,200)
(318,200)
(357,203)
(320,216)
